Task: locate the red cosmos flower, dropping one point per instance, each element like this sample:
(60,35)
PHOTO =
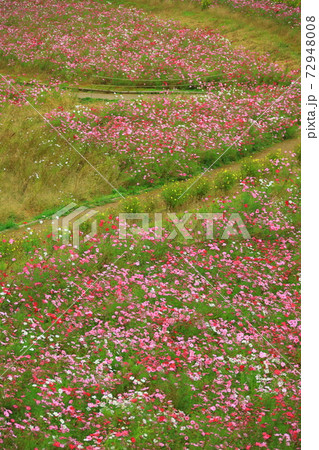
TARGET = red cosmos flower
(294,434)
(133,439)
(215,419)
(161,419)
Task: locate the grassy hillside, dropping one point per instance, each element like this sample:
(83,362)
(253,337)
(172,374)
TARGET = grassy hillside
(261,34)
(185,334)
(63,151)
(132,146)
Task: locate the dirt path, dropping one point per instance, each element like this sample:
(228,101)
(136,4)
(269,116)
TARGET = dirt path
(106,96)
(129,95)
(40,227)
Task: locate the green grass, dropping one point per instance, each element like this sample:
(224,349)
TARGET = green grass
(10,223)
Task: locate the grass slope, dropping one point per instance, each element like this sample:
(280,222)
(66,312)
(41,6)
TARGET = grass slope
(260,34)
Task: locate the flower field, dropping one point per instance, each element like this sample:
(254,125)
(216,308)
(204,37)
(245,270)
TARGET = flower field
(165,139)
(149,343)
(160,339)
(118,45)
(287,11)
(139,144)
